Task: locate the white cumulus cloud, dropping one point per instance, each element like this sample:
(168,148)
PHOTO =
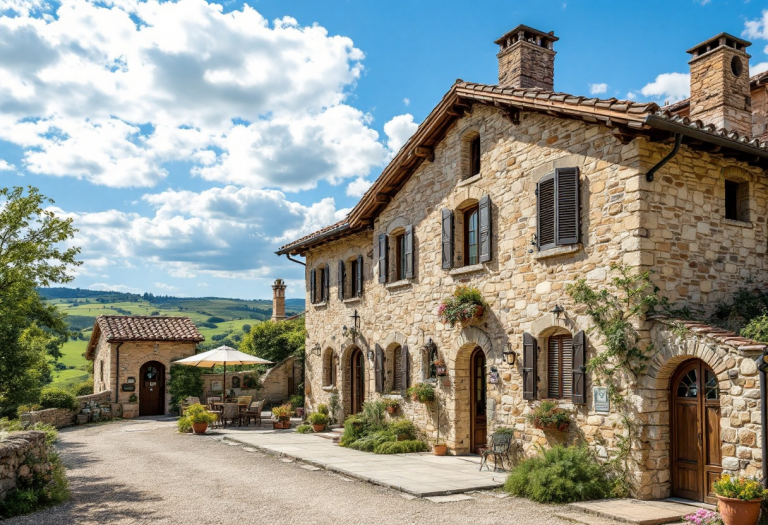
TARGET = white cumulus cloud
(358,187)
(669,87)
(598,89)
(399,130)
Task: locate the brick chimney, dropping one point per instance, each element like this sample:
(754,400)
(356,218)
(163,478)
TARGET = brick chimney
(278,300)
(527,58)
(720,92)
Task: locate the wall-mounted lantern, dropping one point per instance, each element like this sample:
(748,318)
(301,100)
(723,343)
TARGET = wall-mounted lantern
(509,355)
(316,349)
(557,310)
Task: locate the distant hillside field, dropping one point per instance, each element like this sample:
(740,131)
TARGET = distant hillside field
(217,318)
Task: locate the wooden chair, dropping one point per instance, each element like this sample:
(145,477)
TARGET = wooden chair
(186,404)
(215,409)
(244,401)
(231,412)
(253,412)
(499,449)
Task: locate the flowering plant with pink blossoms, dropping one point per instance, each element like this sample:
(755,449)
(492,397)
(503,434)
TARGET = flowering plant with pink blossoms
(704,517)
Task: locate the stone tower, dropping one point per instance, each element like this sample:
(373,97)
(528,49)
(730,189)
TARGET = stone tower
(278,300)
(527,59)
(720,93)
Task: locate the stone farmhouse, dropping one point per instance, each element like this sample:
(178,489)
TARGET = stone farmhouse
(518,190)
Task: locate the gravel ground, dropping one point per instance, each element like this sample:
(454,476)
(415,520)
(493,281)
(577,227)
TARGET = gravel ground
(144,471)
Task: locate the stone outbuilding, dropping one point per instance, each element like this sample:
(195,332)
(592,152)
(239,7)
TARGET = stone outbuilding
(517,190)
(132,354)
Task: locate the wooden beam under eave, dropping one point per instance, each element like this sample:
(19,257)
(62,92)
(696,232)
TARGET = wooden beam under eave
(382,198)
(424,152)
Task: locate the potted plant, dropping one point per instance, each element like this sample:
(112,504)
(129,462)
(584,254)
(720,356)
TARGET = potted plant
(199,417)
(390,404)
(464,306)
(423,392)
(548,416)
(281,416)
(131,408)
(403,428)
(738,499)
(440,368)
(318,421)
(439,448)
(297,402)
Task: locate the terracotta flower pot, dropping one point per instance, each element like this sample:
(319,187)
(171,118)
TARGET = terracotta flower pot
(199,428)
(562,427)
(281,425)
(391,409)
(318,428)
(439,450)
(738,512)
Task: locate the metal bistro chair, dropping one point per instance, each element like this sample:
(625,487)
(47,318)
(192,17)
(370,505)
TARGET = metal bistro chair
(231,413)
(499,449)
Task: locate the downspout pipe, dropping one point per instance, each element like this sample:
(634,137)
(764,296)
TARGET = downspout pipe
(762,366)
(294,260)
(117,373)
(660,164)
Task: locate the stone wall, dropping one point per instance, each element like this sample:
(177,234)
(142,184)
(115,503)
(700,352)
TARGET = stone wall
(22,454)
(275,383)
(760,112)
(62,417)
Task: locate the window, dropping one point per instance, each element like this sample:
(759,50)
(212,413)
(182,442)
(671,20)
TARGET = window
(402,261)
(350,283)
(354,275)
(471,235)
(329,370)
(474,156)
(319,279)
(397,370)
(560,366)
(392,368)
(737,200)
(557,209)
(101,371)
(235,382)
(400,257)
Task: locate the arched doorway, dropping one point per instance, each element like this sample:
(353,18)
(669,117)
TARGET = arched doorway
(478,420)
(357,384)
(695,446)
(152,389)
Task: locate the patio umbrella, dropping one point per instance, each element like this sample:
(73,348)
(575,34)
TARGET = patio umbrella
(222,355)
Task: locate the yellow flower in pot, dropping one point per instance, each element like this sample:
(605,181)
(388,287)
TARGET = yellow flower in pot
(200,418)
(738,499)
(281,416)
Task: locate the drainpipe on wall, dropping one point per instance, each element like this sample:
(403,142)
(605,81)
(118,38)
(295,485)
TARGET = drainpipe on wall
(117,373)
(762,366)
(658,166)
(294,260)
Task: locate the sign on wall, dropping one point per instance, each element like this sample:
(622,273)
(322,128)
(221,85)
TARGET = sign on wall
(215,386)
(601,401)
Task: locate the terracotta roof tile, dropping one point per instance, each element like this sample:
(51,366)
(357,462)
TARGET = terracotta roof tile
(146,328)
(715,333)
(312,235)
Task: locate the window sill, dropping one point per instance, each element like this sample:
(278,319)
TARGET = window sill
(329,388)
(560,250)
(352,300)
(470,180)
(402,283)
(474,268)
(740,224)
(321,305)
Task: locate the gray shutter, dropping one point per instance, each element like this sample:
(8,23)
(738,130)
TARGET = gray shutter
(340,278)
(530,355)
(567,183)
(379,368)
(545,212)
(405,364)
(409,251)
(382,257)
(312,286)
(447,238)
(484,225)
(578,394)
(359,275)
(327,283)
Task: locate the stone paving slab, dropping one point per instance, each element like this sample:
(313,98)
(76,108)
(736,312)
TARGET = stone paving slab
(422,475)
(634,511)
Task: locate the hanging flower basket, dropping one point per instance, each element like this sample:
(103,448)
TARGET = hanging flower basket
(465,306)
(422,392)
(549,417)
(440,368)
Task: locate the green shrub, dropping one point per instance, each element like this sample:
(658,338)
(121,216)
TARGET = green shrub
(424,392)
(403,427)
(322,408)
(316,418)
(504,430)
(370,442)
(374,415)
(184,425)
(408,446)
(304,429)
(197,413)
(354,427)
(14,425)
(559,475)
(52,397)
(757,329)
(185,381)
(85,388)
(215,319)
(297,401)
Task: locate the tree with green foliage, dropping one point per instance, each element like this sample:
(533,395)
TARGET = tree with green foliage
(276,340)
(31,256)
(185,381)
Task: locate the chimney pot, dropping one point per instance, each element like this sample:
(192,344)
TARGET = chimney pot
(527,58)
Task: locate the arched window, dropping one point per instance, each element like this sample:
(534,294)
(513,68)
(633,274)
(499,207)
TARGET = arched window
(471,235)
(235,382)
(329,368)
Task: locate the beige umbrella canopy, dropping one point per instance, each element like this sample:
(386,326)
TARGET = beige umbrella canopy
(222,355)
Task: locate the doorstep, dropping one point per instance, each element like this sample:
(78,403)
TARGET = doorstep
(634,511)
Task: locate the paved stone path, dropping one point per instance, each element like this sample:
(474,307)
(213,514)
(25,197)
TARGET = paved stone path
(417,474)
(143,471)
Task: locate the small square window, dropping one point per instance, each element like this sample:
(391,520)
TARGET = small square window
(737,200)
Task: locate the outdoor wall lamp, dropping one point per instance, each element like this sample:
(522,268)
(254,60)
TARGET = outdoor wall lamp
(557,310)
(344,330)
(316,349)
(370,355)
(509,355)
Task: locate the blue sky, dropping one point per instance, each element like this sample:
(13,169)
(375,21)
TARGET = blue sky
(189,140)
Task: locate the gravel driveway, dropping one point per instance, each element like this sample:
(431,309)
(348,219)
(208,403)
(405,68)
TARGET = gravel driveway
(144,471)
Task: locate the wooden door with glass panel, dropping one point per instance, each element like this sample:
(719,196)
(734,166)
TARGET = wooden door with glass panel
(695,431)
(152,389)
(479,422)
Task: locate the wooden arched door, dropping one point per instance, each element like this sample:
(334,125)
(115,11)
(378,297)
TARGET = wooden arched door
(152,389)
(695,431)
(357,369)
(478,418)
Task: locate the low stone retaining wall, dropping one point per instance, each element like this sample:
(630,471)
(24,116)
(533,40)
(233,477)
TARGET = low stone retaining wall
(92,408)
(58,417)
(22,454)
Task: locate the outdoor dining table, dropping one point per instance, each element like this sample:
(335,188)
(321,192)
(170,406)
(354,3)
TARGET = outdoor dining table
(242,409)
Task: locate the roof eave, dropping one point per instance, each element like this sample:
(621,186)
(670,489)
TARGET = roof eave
(296,249)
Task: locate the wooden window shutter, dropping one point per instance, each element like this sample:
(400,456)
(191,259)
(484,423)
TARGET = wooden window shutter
(409,251)
(742,195)
(545,212)
(484,225)
(379,368)
(567,224)
(312,287)
(406,369)
(554,365)
(579,393)
(340,278)
(382,257)
(530,355)
(327,283)
(359,276)
(447,238)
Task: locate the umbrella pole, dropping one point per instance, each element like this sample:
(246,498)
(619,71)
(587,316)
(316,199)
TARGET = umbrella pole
(224,395)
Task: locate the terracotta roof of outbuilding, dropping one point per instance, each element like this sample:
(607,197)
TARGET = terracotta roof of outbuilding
(715,333)
(117,328)
(628,119)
